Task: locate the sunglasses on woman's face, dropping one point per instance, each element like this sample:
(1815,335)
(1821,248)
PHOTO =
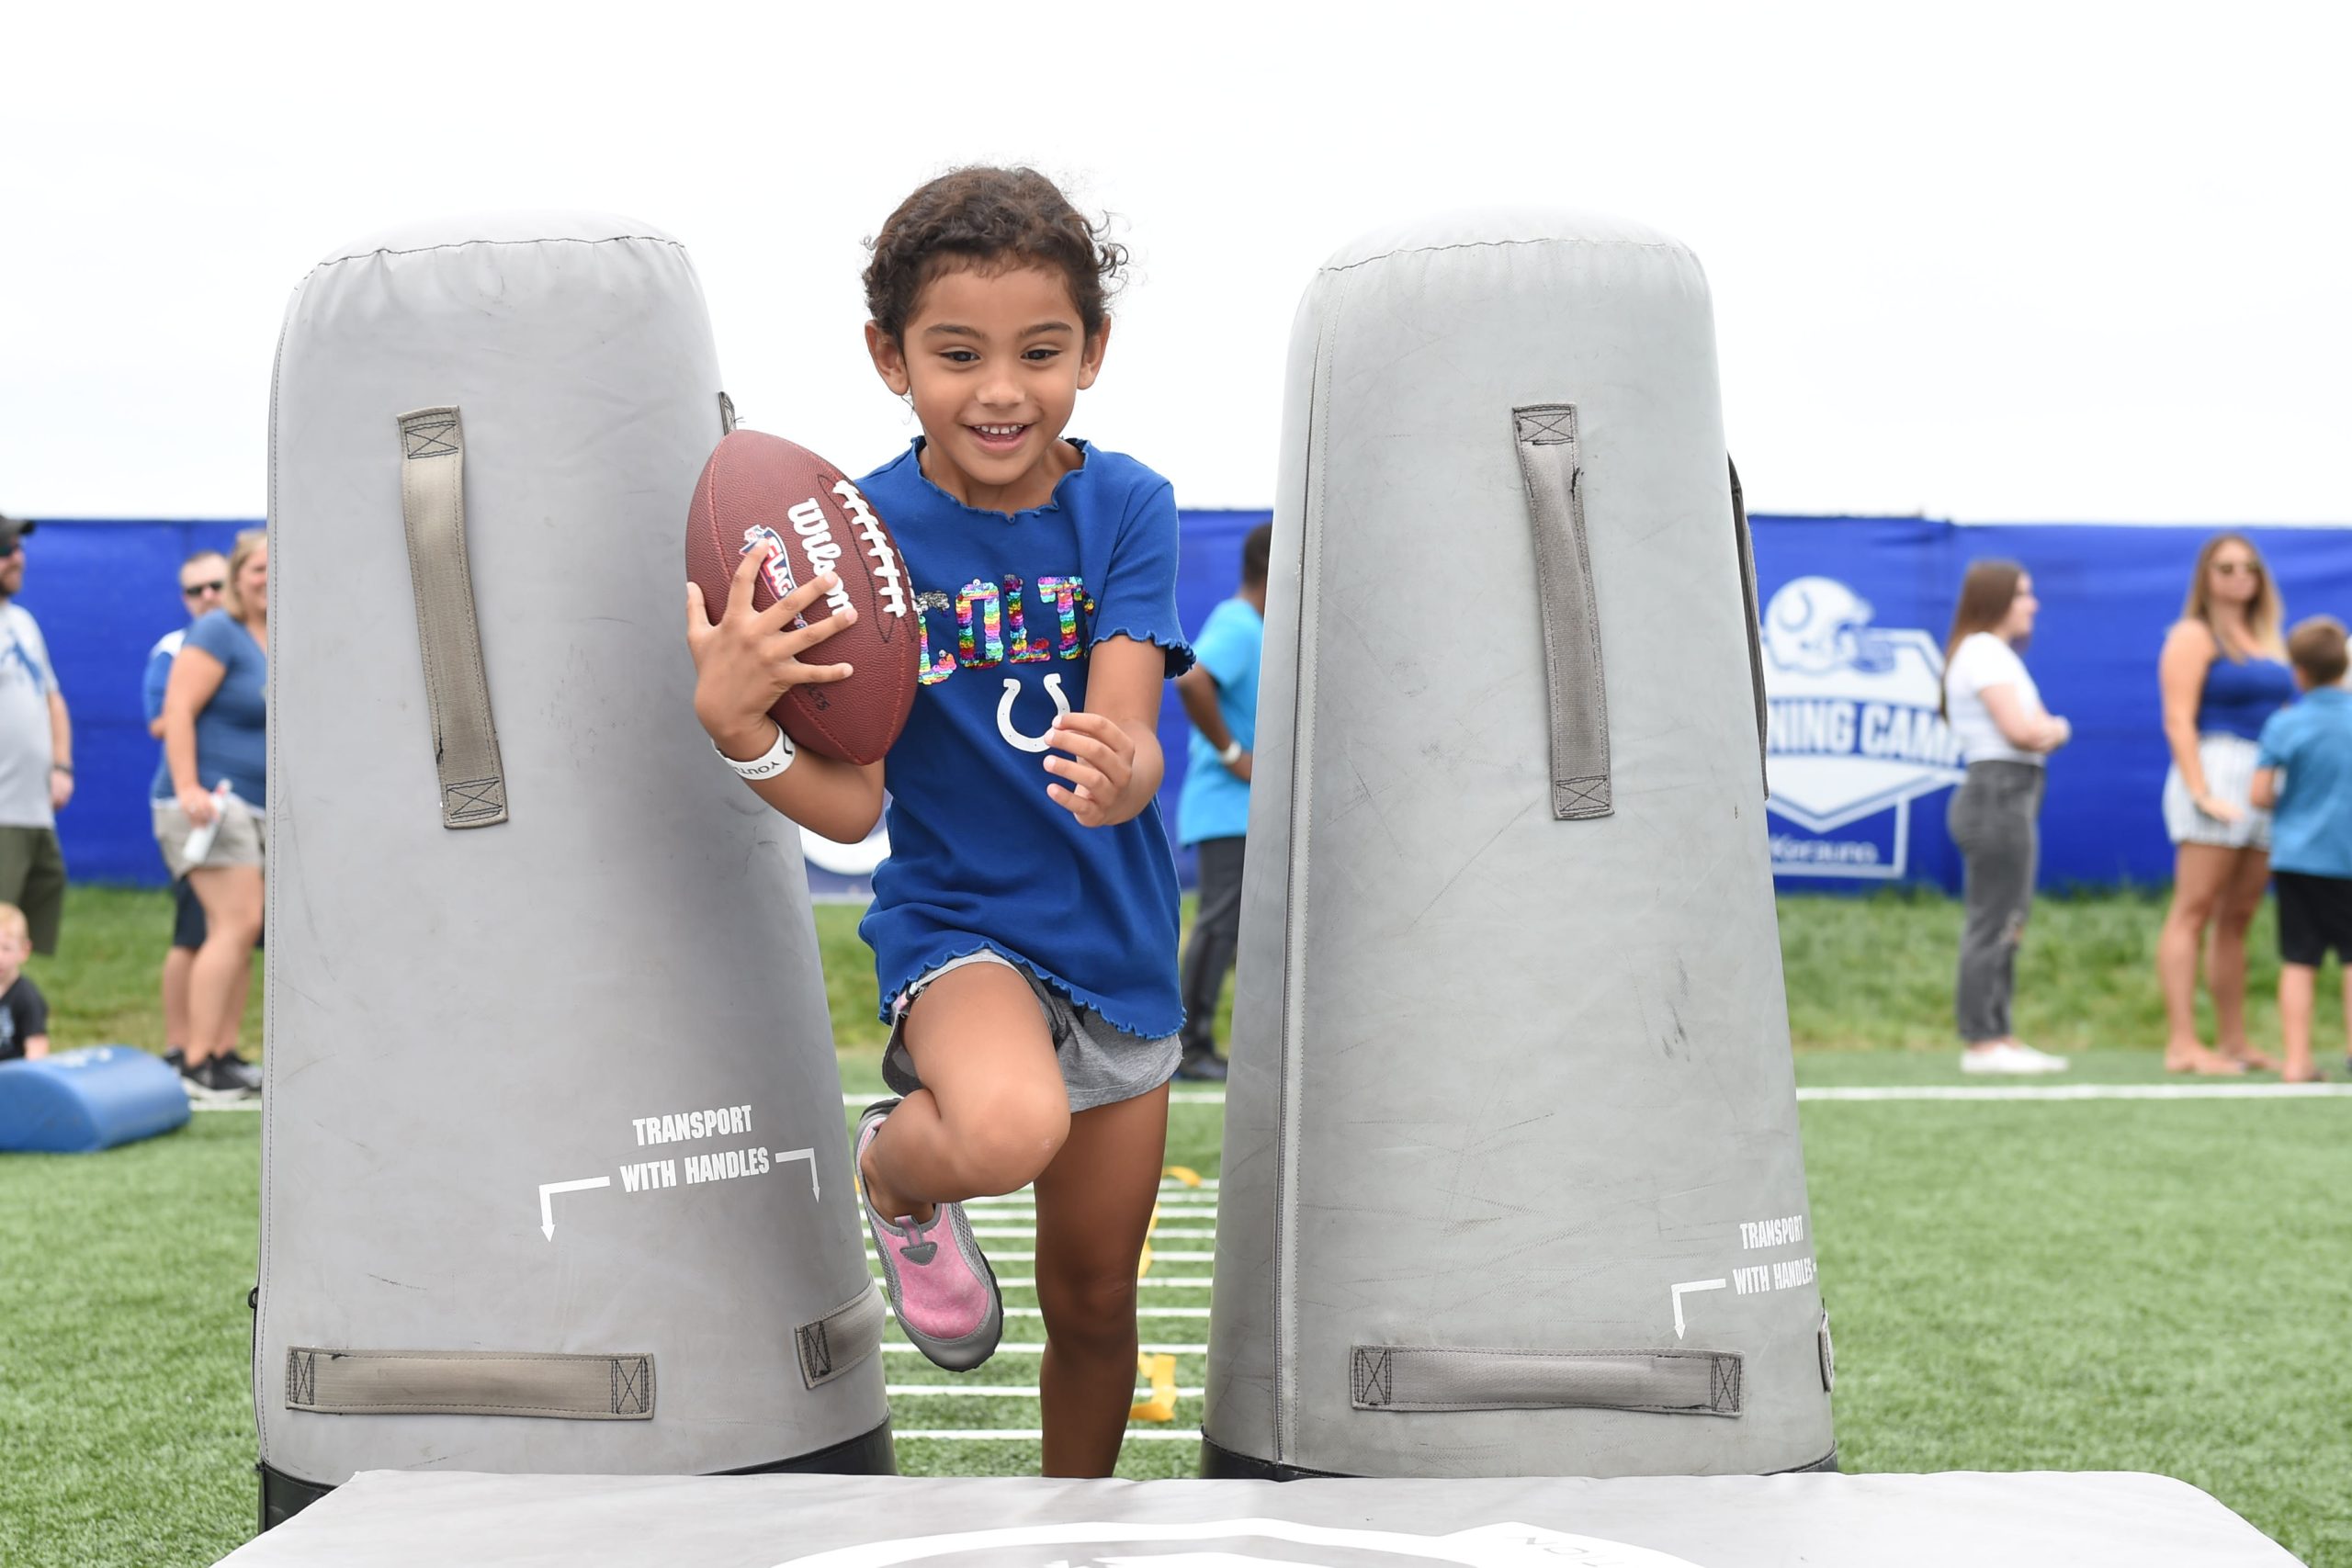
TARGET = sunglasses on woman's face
(191,590)
(2231,568)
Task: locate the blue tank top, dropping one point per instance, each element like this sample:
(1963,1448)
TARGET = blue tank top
(2238,697)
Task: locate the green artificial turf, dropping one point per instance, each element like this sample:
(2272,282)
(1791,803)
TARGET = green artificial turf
(1868,973)
(2137,1285)
(2096,1285)
(126,1418)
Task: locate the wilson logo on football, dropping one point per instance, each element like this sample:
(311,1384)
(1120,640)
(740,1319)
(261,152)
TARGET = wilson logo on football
(762,499)
(820,550)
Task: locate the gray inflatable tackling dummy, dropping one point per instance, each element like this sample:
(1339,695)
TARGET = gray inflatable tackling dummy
(555,1174)
(1513,1182)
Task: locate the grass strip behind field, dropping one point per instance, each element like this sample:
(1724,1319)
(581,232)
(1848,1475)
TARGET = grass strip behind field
(1865,973)
(1870,972)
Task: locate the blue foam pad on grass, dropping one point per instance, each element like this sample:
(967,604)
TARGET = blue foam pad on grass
(74,1102)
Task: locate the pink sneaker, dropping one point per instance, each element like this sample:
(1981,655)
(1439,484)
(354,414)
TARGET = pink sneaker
(941,1288)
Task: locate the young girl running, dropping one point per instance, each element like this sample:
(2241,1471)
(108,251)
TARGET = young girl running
(1024,926)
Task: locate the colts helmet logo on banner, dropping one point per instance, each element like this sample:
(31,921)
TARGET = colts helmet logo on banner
(1855,733)
(1817,624)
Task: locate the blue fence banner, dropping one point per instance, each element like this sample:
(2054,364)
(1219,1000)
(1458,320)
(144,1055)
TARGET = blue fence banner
(104,592)
(1855,611)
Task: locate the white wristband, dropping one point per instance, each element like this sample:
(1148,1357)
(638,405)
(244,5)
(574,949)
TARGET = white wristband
(769,764)
(1232,754)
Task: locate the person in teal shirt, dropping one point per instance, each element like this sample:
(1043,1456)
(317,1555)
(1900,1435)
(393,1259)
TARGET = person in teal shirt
(1220,696)
(2303,776)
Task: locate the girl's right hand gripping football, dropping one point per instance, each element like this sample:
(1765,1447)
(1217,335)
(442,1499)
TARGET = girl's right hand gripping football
(748,659)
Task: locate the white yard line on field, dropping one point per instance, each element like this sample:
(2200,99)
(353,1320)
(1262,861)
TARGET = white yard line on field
(2089,1091)
(1140,1312)
(1032,1435)
(1175,1097)
(1038,1347)
(1171,1200)
(994,1390)
(1017,1230)
(1149,1281)
(1979,1092)
(1022,1214)
(996,1255)
(1899,1092)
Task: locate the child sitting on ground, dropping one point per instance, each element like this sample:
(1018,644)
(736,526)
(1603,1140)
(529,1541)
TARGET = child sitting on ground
(24,1013)
(2303,775)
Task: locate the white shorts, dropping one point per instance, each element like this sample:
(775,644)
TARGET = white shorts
(2228,762)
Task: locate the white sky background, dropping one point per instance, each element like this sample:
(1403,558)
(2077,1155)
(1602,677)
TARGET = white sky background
(1992,262)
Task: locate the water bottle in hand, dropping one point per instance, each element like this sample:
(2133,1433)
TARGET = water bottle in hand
(200,842)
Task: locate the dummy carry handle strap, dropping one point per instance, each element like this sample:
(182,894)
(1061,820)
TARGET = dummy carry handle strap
(469,1382)
(1421,1377)
(1755,628)
(456,692)
(841,1339)
(1553,476)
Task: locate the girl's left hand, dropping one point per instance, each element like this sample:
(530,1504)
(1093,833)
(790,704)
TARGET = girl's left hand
(1100,767)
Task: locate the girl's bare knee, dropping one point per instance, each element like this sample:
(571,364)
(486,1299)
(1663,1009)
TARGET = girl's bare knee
(1005,1145)
(1091,1312)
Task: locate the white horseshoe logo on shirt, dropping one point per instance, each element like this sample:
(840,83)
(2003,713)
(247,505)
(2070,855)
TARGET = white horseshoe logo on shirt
(1004,712)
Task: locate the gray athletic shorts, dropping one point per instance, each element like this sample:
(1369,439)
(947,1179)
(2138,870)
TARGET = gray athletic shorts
(1101,1065)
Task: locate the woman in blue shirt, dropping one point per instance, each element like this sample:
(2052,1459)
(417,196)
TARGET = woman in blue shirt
(2222,672)
(210,826)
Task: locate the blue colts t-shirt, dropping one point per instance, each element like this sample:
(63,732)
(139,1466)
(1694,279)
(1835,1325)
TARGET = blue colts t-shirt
(980,856)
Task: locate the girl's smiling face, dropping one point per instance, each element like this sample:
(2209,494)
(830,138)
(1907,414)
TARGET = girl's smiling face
(994,362)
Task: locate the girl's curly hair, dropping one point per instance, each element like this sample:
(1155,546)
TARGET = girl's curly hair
(992,220)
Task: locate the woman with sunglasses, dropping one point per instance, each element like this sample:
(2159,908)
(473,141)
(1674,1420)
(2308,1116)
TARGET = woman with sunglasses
(2224,670)
(215,713)
(204,578)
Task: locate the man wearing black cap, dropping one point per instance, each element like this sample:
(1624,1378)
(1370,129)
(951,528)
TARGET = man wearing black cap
(36,755)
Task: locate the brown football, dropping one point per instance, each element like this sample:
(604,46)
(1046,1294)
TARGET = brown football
(758,487)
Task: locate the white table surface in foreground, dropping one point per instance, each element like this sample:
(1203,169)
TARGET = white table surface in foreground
(1961,1520)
